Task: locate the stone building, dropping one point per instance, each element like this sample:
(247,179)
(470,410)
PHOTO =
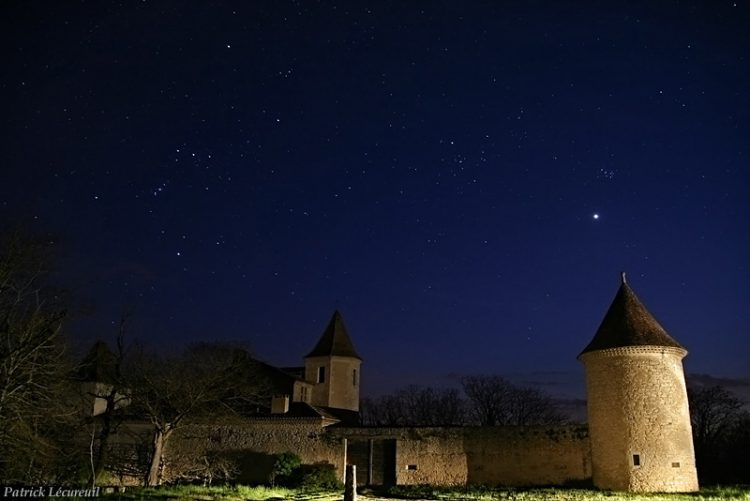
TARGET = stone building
(328,383)
(95,375)
(333,366)
(638,437)
(638,417)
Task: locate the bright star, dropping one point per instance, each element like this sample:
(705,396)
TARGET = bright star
(596,216)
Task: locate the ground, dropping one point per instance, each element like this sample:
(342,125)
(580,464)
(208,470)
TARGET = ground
(421,493)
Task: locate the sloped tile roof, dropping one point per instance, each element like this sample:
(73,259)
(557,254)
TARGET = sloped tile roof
(629,323)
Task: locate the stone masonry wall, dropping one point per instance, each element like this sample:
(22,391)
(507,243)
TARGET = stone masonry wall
(638,406)
(252,446)
(432,456)
(514,456)
(340,388)
(344,385)
(528,455)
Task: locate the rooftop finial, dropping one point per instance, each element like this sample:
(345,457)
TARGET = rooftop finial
(622,277)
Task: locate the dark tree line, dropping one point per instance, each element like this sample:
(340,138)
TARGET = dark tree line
(415,405)
(496,401)
(485,400)
(721,435)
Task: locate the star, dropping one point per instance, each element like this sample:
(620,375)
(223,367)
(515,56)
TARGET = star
(595,216)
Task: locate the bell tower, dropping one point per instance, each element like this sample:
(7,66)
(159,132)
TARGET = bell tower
(333,366)
(639,423)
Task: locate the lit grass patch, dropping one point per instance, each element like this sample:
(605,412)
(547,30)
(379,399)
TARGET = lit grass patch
(419,492)
(225,493)
(426,492)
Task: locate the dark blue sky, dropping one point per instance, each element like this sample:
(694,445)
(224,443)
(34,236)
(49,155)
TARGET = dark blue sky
(463,180)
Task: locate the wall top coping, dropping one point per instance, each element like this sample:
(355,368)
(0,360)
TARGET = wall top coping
(401,431)
(634,350)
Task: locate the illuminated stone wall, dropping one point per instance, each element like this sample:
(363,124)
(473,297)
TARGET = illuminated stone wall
(513,456)
(341,387)
(641,438)
(253,445)
(504,456)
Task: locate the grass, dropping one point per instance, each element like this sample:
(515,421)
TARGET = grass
(224,493)
(556,494)
(243,493)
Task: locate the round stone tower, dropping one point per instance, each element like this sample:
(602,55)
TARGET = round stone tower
(639,423)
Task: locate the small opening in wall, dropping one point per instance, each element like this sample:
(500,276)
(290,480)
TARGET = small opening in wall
(321,374)
(676,464)
(411,467)
(636,459)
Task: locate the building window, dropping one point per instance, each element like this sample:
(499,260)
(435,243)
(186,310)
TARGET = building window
(303,391)
(321,374)
(412,467)
(354,377)
(636,459)
(676,464)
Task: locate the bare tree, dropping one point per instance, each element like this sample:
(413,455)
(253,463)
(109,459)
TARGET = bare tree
(530,406)
(496,401)
(721,435)
(415,406)
(105,369)
(489,397)
(490,401)
(34,399)
(203,381)
(713,411)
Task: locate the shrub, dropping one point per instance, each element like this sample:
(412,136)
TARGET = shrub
(284,467)
(321,476)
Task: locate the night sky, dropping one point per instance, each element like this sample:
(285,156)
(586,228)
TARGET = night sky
(463,180)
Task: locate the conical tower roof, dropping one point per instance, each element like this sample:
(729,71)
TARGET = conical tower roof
(629,323)
(335,340)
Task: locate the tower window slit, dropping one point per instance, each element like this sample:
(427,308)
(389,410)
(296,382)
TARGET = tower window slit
(636,459)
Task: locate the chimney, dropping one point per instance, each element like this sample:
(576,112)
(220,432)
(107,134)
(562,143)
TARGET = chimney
(280,404)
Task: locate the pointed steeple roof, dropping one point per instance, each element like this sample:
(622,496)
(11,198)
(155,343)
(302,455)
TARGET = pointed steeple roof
(98,364)
(335,340)
(629,323)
